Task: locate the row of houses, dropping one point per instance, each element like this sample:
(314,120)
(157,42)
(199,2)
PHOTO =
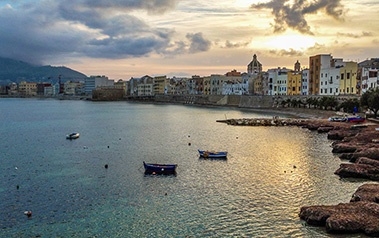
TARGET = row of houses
(325,76)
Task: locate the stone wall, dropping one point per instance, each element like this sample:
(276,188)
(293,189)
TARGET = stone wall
(244,101)
(108,94)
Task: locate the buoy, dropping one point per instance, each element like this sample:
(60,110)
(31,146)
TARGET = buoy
(106,166)
(28,213)
(15,168)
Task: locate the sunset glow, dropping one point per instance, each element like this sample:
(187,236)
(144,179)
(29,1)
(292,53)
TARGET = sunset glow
(124,39)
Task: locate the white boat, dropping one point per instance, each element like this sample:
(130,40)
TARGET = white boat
(74,135)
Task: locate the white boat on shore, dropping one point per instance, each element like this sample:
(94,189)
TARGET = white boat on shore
(74,135)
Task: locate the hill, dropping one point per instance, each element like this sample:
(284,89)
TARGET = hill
(17,71)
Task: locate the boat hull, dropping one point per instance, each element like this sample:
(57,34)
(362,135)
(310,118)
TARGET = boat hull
(212,154)
(72,136)
(160,168)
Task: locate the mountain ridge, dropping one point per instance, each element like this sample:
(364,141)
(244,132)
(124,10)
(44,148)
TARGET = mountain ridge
(16,71)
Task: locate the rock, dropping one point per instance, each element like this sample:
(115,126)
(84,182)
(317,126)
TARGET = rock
(344,148)
(345,217)
(355,170)
(324,129)
(366,192)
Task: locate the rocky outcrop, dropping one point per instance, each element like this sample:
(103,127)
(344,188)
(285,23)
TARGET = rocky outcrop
(360,215)
(359,144)
(367,192)
(350,217)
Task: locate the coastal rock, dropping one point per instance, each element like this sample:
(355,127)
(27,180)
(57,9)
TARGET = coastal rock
(339,134)
(367,192)
(345,217)
(344,148)
(365,169)
(366,151)
(324,129)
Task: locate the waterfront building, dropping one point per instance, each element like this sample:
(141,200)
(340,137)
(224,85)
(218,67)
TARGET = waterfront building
(294,80)
(249,81)
(93,82)
(330,78)
(370,79)
(178,86)
(367,75)
(304,81)
(316,63)
(41,88)
(72,88)
(254,66)
(294,83)
(13,89)
(49,91)
(27,88)
(195,85)
(145,86)
(120,84)
(234,84)
(348,78)
(217,81)
(161,85)
(207,85)
(277,81)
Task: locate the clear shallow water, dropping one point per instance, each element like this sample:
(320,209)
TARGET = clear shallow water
(256,192)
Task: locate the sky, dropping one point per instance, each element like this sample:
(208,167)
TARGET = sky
(131,38)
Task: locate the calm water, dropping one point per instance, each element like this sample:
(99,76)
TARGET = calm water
(256,192)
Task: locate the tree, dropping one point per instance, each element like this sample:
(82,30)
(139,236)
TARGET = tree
(370,100)
(348,105)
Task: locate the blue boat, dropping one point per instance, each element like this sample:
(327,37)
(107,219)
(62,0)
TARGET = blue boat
(212,154)
(160,168)
(356,119)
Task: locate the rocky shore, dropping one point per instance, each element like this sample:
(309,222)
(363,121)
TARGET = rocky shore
(358,146)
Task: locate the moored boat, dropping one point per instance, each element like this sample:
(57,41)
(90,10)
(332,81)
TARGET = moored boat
(74,135)
(356,119)
(160,168)
(213,154)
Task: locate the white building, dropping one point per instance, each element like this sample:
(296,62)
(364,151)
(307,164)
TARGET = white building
(370,79)
(277,81)
(304,81)
(94,82)
(330,78)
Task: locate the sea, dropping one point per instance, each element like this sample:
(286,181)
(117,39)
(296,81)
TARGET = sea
(269,174)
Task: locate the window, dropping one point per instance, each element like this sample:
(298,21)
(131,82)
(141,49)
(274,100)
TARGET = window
(347,75)
(342,76)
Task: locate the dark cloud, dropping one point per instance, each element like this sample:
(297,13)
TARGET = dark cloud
(198,43)
(152,6)
(293,16)
(49,31)
(291,52)
(352,35)
(229,44)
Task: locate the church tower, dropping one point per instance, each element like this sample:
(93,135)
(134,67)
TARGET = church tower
(255,66)
(297,66)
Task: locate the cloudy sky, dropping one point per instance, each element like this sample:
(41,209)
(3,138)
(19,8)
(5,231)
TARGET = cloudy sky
(131,38)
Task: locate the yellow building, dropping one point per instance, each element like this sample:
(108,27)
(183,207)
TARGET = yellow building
(294,83)
(161,85)
(348,78)
(27,88)
(207,85)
